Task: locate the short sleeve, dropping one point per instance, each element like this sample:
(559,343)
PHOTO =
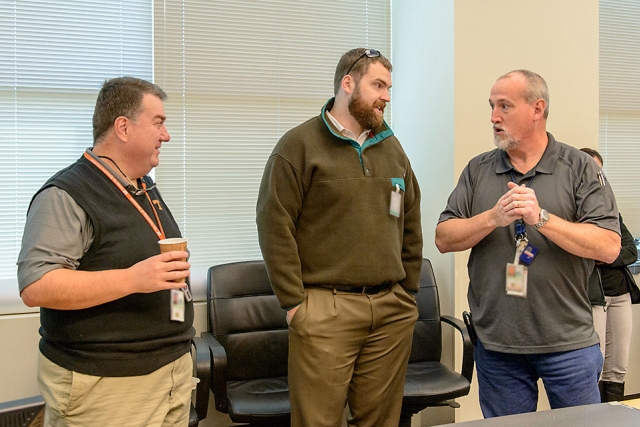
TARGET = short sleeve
(57,234)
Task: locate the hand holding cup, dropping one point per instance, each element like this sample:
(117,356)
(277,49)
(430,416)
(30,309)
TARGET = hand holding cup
(174,244)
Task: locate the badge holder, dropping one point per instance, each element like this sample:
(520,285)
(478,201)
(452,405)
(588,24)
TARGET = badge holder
(396,202)
(516,274)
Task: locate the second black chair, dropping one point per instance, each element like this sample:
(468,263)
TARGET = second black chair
(428,381)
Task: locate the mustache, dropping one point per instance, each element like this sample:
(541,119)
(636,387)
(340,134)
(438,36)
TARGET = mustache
(497,127)
(379,104)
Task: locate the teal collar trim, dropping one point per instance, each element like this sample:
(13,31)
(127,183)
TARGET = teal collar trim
(379,136)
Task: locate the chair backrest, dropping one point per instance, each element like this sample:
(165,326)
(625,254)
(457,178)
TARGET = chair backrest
(246,318)
(427,333)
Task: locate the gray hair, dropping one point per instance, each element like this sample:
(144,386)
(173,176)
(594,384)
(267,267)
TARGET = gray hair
(535,89)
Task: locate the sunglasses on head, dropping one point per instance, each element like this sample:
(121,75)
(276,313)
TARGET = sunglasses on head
(369,53)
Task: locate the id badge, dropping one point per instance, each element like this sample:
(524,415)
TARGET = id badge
(396,202)
(177,305)
(516,280)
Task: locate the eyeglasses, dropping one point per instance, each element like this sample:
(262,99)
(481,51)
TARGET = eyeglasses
(369,53)
(140,191)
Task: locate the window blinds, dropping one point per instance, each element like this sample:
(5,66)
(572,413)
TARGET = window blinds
(54,57)
(620,104)
(239,74)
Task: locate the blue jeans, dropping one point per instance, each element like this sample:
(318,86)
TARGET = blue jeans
(508,383)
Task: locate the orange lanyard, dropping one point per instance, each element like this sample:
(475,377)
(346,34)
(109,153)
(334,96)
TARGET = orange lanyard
(159,231)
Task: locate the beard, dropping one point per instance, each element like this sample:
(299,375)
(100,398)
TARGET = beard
(365,114)
(505,141)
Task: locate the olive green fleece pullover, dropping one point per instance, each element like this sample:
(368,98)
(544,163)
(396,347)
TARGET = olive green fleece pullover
(323,212)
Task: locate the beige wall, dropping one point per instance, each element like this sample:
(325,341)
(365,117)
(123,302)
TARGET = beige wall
(18,356)
(558,39)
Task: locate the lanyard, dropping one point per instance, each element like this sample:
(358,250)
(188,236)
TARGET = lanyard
(159,231)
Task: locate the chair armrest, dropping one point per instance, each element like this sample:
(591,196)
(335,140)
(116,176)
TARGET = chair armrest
(203,373)
(218,372)
(467,345)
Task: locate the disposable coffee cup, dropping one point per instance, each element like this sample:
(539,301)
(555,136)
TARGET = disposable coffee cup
(174,244)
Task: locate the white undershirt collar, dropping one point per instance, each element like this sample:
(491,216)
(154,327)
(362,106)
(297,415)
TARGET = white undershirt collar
(346,132)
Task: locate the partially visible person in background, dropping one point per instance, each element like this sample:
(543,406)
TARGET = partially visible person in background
(610,289)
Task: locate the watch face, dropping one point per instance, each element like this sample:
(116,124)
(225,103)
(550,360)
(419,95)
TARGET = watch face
(544,217)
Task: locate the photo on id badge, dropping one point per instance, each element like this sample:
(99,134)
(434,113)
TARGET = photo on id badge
(516,280)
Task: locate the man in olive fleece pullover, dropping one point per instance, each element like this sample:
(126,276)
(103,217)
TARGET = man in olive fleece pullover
(338,219)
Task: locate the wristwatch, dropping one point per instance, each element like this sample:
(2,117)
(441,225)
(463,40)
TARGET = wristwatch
(544,217)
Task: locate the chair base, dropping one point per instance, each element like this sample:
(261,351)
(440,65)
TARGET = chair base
(283,421)
(408,411)
(405,421)
(273,422)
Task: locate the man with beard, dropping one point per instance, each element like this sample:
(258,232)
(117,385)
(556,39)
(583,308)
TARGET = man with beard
(338,219)
(535,213)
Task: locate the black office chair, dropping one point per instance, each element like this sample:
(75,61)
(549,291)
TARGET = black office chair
(30,411)
(202,371)
(249,343)
(22,412)
(428,382)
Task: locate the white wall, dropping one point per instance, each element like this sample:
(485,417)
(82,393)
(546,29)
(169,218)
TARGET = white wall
(423,120)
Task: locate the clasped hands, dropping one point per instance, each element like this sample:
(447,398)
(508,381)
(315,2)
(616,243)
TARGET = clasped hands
(520,202)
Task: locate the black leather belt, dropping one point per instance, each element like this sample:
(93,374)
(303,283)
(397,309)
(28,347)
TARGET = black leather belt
(366,290)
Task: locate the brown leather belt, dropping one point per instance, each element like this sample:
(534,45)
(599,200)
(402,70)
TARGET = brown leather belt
(366,290)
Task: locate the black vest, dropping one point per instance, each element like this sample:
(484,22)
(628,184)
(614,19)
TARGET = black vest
(132,335)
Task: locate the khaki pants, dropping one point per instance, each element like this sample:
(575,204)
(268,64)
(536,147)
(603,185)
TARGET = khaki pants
(350,348)
(161,398)
(614,329)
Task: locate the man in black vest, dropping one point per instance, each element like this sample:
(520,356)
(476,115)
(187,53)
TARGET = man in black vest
(116,319)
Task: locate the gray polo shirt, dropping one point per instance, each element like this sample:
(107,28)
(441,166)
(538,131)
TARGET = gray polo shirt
(556,314)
